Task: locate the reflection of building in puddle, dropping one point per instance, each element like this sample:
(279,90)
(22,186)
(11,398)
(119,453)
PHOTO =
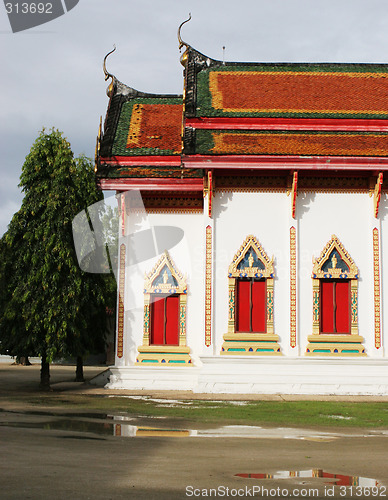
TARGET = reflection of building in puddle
(122,426)
(337,479)
(127,430)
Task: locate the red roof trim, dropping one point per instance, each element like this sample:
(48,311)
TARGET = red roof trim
(130,161)
(285,162)
(323,124)
(150,184)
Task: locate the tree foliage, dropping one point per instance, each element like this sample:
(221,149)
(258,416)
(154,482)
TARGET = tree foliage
(49,307)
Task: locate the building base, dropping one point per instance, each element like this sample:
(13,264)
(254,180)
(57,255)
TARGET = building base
(261,375)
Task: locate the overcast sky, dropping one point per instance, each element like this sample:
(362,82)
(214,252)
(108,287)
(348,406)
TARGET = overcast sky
(51,75)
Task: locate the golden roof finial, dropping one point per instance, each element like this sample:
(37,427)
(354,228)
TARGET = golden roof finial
(107,74)
(181,42)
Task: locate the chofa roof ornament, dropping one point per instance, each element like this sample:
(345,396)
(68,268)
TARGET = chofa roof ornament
(109,90)
(182,43)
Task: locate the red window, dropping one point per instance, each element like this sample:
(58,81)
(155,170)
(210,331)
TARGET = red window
(251,306)
(165,320)
(335,306)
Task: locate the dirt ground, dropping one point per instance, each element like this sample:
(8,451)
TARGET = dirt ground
(66,455)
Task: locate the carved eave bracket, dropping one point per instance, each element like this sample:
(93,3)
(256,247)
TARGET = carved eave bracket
(293,192)
(208,190)
(377,194)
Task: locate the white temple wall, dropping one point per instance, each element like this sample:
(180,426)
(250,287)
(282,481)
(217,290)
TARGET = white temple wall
(266,216)
(187,256)
(318,216)
(350,218)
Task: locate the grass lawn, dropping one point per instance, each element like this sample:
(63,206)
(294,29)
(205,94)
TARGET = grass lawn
(266,413)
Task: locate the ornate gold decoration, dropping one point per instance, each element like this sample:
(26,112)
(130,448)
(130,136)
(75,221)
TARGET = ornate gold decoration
(167,355)
(184,56)
(208,287)
(251,244)
(164,261)
(292,286)
(376,276)
(120,320)
(334,272)
(109,90)
(251,343)
(333,343)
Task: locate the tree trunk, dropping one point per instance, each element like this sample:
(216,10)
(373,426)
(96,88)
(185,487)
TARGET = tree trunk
(79,373)
(23,360)
(44,374)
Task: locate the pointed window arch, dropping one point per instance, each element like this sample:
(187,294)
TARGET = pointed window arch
(335,303)
(251,286)
(164,325)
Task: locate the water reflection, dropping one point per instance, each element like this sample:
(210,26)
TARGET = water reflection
(126,429)
(131,426)
(337,479)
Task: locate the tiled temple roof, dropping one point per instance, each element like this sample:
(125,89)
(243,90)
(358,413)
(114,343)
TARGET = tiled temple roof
(238,108)
(139,124)
(141,127)
(291,143)
(246,110)
(293,90)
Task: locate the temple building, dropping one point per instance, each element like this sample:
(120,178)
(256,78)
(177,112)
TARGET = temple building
(259,201)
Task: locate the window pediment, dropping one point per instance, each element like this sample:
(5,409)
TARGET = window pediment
(251,261)
(334,262)
(165,278)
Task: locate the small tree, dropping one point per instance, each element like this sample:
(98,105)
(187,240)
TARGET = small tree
(50,307)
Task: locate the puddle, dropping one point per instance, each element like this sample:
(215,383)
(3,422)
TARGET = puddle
(130,427)
(123,428)
(329,478)
(71,425)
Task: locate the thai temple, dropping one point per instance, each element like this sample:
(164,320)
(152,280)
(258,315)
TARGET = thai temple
(253,246)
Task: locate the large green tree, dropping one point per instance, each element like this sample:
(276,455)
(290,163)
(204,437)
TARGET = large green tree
(49,306)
